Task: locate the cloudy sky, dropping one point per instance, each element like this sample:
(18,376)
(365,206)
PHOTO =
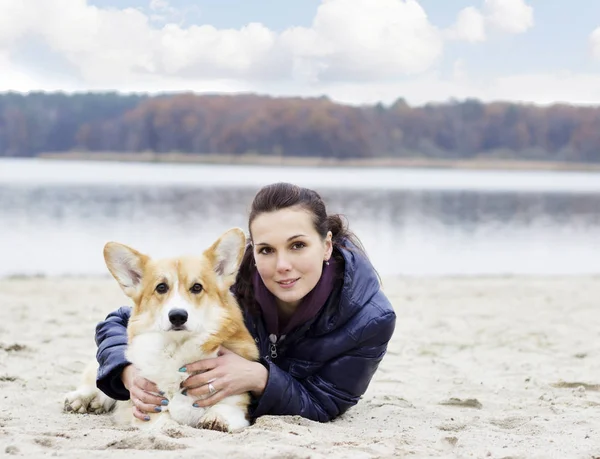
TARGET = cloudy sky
(354,51)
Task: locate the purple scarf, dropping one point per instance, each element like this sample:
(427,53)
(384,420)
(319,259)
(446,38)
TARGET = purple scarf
(309,306)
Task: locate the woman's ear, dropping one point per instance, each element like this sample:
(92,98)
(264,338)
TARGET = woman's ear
(328,245)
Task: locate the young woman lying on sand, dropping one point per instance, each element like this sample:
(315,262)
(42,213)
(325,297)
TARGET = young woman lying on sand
(311,300)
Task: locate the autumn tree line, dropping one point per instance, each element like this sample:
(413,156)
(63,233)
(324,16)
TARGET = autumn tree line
(36,123)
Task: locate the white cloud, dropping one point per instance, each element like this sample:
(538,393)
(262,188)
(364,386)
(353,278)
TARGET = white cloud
(459,71)
(14,79)
(595,43)
(162,11)
(349,39)
(581,89)
(469,26)
(504,16)
(161,5)
(510,16)
(365,39)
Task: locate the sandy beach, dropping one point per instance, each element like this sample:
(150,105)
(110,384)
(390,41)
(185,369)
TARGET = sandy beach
(478,367)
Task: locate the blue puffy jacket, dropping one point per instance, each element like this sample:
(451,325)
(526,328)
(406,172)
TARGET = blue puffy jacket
(319,371)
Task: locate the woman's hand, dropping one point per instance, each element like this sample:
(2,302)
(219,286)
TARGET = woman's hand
(229,374)
(143,393)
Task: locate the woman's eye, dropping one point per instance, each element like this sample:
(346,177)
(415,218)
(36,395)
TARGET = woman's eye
(162,288)
(298,245)
(196,288)
(265,251)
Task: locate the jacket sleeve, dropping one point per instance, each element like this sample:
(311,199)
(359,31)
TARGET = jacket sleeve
(111,339)
(337,386)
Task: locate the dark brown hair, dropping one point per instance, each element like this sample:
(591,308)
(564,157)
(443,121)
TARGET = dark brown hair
(282,196)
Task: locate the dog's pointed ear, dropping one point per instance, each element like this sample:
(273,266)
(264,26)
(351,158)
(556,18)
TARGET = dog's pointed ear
(226,254)
(126,265)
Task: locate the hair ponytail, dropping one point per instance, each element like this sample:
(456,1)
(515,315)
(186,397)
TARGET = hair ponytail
(341,234)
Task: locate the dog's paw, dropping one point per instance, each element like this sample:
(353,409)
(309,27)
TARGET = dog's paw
(213,421)
(88,400)
(224,417)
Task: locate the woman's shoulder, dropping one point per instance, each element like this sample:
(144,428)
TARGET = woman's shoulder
(361,296)
(361,280)
(376,319)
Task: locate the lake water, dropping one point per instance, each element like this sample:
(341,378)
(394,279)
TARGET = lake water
(56,216)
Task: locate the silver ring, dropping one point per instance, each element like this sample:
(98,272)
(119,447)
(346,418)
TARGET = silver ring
(211,389)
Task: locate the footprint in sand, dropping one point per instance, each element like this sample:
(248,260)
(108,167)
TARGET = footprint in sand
(524,425)
(44,441)
(452,427)
(12,449)
(56,434)
(174,432)
(277,422)
(576,385)
(467,403)
(510,422)
(139,442)
(395,400)
(14,347)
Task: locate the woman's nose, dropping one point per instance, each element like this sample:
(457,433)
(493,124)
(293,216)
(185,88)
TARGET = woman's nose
(283,264)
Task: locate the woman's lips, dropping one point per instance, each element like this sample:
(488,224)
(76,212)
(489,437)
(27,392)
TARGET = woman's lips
(288,283)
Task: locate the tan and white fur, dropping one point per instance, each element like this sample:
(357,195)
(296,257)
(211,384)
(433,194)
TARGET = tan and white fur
(170,327)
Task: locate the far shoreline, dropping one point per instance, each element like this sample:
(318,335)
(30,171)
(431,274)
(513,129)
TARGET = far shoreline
(264,160)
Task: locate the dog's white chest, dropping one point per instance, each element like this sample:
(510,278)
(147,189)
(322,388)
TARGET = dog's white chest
(159,358)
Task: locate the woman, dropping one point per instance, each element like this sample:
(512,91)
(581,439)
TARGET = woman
(313,303)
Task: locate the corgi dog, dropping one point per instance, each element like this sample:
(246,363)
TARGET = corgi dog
(183,311)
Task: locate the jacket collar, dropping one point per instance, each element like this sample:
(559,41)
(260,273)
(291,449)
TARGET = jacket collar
(360,283)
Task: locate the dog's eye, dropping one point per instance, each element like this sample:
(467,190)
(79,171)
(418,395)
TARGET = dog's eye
(162,288)
(196,288)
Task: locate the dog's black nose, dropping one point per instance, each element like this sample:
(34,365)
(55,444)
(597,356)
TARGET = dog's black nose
(178,317)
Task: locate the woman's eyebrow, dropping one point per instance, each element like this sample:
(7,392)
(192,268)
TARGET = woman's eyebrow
(288,239)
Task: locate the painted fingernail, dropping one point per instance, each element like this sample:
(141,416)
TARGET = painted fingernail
(146,418)
(183,369)
(184,392)
(158,409)
(160,392)
(164,402)
(195,405)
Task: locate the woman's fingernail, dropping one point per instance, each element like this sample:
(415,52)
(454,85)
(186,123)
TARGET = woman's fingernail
(160,392)
(184,392)
(158,409)
(195,405)
(183,369)
(164,402)
(146,418)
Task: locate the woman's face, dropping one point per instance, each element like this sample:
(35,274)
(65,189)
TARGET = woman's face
(289,253)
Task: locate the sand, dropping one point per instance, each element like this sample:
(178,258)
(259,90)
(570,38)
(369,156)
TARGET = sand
(479,162)
(478,367)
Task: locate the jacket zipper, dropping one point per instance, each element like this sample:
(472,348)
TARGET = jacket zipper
(274,341)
